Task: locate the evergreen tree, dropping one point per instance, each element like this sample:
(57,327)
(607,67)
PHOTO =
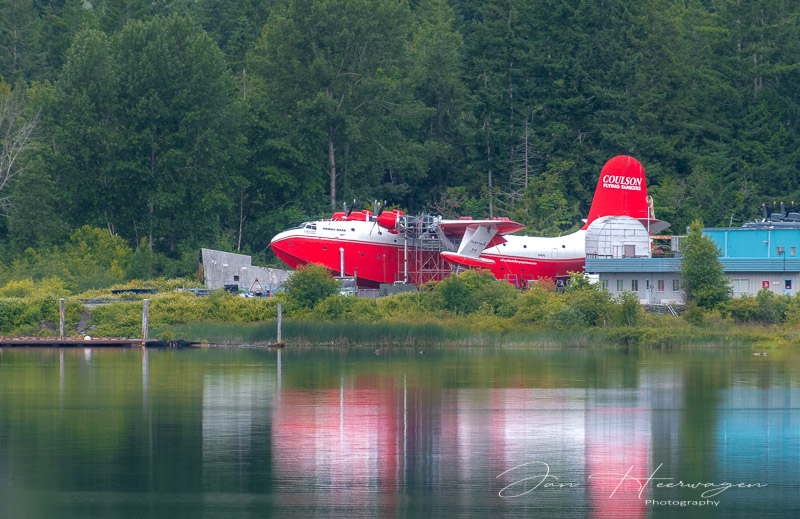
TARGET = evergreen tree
(149,133)
(20,55)
(703,280)
(333,76)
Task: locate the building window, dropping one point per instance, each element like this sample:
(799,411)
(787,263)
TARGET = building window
(740,285)
(236,278)
(634,285)
(676,285)
(620,288)
(660,285)
(604,284)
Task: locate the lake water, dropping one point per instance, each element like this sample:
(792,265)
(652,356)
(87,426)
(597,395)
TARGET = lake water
(243,432)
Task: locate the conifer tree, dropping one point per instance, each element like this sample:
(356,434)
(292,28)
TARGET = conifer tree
(703,279)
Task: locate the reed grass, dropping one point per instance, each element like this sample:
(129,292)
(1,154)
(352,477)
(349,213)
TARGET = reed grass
(324,333)
(310,333)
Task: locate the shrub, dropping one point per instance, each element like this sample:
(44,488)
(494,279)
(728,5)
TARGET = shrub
(311,284)
(629,311)
(594,305)
(765,308)
(566,317)
(741,309)
(465,293)
(48,287)
(346,308)
(535,305)
(27,316)
(409,304)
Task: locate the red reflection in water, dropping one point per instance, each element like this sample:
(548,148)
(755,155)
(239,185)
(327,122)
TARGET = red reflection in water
(362,444)
(617,442)
(342,444)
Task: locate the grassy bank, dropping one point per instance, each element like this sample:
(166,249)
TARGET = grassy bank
(471,309)
(662,336)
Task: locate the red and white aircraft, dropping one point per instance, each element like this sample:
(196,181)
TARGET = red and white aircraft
(390,246)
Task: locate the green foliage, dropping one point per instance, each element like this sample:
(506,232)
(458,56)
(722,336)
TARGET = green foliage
(27,288)
(565,317)
(702,277)
(92,258)
(534,305)
(465,293)
(143,263)
(311,284)
(581,304)
(694,314)
(765,308)
(170,309)
(592,303)
(346,308)
(37,315)
(629,310)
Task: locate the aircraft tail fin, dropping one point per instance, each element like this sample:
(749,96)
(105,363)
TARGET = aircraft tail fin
(621,191)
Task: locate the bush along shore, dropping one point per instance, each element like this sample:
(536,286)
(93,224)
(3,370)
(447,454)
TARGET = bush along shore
(468,309)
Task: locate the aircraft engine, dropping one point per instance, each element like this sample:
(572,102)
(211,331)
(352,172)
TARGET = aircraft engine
(388,220)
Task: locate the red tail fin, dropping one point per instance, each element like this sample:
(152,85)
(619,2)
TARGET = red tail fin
(621,190)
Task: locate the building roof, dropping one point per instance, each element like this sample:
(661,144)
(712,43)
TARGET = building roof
(597,265)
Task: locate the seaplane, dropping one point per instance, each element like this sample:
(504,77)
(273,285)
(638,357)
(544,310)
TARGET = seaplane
(392,247)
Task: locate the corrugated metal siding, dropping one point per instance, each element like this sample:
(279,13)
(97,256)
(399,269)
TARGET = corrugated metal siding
(755,243)
(633,264)
(776,265)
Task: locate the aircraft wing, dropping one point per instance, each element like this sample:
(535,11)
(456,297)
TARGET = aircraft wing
(653,225)
(476,235)
(457,228)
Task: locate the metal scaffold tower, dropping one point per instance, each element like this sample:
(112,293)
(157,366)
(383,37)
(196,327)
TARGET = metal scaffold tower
(421,260)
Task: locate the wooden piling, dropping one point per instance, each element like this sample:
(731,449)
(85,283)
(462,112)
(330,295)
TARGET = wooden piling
(145,321)
(280,322)
(61,318)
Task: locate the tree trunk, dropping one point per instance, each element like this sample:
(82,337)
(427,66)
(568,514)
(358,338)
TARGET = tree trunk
(489,160)
(332,160)
(241,219)
(150,234)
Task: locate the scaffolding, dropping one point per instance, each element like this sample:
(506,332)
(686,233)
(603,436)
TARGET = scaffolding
(421,260)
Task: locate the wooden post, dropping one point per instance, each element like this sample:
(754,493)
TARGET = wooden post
(61,318)
(145,319)
(280,322)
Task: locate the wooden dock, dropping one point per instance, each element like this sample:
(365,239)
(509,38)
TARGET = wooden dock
(62,341)
(78,342)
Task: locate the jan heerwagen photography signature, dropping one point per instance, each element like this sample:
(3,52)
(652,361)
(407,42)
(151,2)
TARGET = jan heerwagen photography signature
(529,477)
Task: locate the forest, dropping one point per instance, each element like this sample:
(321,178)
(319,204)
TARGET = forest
(135,132)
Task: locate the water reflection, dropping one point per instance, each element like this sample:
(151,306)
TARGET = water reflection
(475,433)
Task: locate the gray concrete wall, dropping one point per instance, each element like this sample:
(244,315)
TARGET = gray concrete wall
(227,268)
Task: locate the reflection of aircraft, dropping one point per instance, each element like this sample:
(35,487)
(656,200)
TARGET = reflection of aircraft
(390,246)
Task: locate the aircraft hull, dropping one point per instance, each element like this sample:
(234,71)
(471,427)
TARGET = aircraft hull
(371,262)
(375,262)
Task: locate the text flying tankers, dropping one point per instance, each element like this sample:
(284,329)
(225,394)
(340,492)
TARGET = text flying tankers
(390,246)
